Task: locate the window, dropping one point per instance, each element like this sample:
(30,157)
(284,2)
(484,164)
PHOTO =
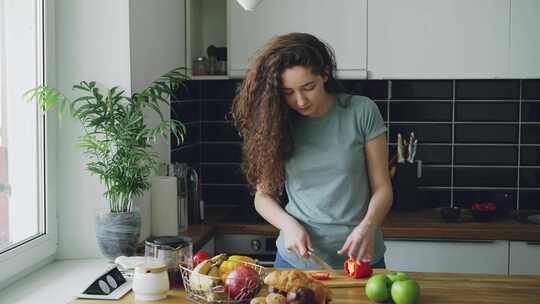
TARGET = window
(25,234)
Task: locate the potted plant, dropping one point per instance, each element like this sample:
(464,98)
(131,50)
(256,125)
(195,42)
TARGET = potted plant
(117,140)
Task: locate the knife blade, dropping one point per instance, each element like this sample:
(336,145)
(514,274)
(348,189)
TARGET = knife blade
(315,258)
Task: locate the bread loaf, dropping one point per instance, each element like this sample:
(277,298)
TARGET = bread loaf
(287,280)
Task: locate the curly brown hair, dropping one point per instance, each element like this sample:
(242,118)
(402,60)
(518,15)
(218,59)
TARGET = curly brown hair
(260,112)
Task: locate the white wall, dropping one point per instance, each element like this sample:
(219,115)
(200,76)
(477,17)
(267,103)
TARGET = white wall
(120,42)
(157,30)
(92,43)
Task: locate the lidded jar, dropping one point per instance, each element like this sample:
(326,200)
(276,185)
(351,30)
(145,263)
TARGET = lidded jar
(150,282)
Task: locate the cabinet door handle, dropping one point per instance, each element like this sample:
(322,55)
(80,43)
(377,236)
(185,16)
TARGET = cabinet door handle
(533,243)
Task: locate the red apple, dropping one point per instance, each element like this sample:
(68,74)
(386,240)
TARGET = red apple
(243,283)
(199,257)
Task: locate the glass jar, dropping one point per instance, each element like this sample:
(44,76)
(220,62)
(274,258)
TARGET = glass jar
(171,251)
(200,66)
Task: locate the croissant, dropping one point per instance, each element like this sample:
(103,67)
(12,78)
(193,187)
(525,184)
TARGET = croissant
(288,280)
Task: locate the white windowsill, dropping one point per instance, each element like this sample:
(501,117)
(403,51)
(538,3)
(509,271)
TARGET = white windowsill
(57,282)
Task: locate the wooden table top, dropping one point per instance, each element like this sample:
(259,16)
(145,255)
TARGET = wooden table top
(445,288)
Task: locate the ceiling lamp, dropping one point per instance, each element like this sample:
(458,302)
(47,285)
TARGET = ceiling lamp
(249,5)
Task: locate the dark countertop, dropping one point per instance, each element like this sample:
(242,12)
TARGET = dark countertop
(422,224)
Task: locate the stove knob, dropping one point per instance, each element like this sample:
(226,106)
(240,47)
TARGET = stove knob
(256,245)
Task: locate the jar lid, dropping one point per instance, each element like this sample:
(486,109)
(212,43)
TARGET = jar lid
(151,268)
(168,242)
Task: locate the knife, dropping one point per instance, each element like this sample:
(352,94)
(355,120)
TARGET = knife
(315,258)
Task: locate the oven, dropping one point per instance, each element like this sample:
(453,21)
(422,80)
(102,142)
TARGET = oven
(259,247)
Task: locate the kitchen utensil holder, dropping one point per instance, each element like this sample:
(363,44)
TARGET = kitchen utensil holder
(218,294)
(405,185)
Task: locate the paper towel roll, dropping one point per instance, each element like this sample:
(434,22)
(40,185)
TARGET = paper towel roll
(164,206)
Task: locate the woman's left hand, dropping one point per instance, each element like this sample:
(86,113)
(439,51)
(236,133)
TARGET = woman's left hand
(359,243)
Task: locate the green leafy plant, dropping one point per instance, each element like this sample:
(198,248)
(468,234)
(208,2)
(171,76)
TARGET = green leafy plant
(116,137)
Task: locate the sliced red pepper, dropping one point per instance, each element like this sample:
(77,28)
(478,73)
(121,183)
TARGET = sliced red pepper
(321,276)
(357,269)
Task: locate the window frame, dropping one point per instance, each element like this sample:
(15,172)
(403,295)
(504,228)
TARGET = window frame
(39,250)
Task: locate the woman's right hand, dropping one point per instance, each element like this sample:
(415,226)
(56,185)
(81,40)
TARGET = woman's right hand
(297,239)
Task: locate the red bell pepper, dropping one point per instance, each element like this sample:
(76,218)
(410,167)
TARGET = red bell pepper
(357,269)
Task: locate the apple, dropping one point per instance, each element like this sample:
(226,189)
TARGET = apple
(397,276)
(243,283)
(199,257)
(405,292)
(378,288)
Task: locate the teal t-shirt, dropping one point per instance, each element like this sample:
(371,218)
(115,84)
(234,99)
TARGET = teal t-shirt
(326,177)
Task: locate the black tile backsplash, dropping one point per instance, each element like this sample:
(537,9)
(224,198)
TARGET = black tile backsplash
(219,131)
(529,199)
(420,111)
(529,177)
(531,89)
(485,155)
(485,177)
(191,90)
(187,154)
(374,89)
(530,111)
(530,156)
(530,134)
(436,176)
(224,194)
(486,133)
(192,136)
(427,133)
(504,198)
(186,111)
(422,89)
(487,89)
(216,109)
(487,111)
(222,152)
(222,173)
(470,141)
(219,89)
(434,155)
(431,198)
(383,108)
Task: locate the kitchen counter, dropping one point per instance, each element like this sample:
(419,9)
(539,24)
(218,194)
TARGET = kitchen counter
(435,288)
(422,224)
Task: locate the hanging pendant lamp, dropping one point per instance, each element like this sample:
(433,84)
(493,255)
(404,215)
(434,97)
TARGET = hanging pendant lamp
(249,5)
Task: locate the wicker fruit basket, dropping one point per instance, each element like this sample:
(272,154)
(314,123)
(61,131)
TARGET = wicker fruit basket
(232,289)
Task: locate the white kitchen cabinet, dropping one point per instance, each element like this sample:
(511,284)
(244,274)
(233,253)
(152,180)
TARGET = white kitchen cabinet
(525,39)
(341,23)
(490,257)
(524,258)
(452,39)
(206,24)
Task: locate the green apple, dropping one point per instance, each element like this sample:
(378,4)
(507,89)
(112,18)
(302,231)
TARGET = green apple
(378,288)
(405,292)
(397,276)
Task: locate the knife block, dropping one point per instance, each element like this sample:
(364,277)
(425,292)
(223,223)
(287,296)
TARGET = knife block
(405,186)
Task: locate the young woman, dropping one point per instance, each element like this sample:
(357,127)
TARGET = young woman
(327,149)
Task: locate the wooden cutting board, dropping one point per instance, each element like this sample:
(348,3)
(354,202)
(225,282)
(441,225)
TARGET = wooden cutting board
(339,280)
